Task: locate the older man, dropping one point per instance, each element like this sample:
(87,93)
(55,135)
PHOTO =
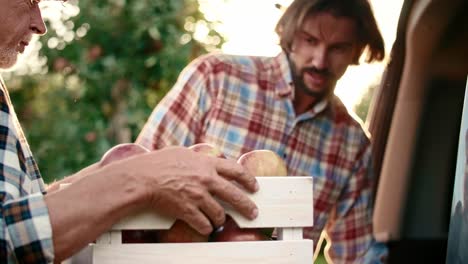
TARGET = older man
(37,227)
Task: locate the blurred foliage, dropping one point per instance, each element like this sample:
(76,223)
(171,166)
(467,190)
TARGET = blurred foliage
(106,68)
(362,108)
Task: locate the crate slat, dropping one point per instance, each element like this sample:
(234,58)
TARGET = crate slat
(265,252)
(282,202)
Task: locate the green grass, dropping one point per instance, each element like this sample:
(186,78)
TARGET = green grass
(320,259)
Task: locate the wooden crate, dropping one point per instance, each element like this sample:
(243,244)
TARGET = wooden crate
(284,203)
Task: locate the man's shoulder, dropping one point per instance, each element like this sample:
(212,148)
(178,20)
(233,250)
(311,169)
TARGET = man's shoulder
(347,119)
(222,61)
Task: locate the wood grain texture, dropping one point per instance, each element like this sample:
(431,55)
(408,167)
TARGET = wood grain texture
(282,202)
(285,203)
(265,252)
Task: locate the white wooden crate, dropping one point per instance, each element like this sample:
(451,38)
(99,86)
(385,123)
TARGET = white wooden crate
(283,202)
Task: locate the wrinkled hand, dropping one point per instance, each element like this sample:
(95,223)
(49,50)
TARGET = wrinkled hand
(55,186)
(183,183)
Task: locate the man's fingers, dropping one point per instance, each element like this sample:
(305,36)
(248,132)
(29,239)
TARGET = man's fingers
(213,210)
(198,221)
(231,194)
(233,171)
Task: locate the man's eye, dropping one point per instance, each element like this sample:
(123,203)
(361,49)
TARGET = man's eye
(340,49)
(311,40)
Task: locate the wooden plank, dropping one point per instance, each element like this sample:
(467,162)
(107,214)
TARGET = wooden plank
(115,237)
(104,238)
(282,202)
(265,252)
(294,233)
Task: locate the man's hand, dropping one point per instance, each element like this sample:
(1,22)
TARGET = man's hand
(175,181)
(183,183)
(55,186)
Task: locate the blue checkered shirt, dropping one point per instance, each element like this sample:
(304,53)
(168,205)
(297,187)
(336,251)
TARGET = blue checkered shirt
(26,232)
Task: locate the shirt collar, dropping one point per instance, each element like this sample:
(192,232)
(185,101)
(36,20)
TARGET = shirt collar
(320,106)
(284,87)
(2,83)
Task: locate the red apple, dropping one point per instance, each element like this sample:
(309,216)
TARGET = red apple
(259,163)
(263,163)
(208,149)
(94,53)
(232,232)
(61,64)
(122,151)
(181,231)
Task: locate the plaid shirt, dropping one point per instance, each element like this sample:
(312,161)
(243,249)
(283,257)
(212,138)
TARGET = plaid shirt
(26,232)
(240,104)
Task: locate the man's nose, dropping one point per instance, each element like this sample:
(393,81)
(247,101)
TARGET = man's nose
(320,58)
(37,25)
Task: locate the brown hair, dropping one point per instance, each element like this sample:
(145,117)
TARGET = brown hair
(359,10)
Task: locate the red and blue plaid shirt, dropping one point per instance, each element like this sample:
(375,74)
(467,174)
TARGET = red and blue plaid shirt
(241,103)
(26,232)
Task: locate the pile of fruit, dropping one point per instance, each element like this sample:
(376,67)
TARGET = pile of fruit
(257,162)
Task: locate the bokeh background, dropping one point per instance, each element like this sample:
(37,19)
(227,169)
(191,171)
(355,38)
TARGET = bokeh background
(93,79)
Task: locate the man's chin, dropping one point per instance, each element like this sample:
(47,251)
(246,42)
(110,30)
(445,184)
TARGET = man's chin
(315,91)
(8,62)
(323,90)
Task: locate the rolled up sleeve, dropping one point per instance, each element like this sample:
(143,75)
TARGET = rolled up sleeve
(26,231)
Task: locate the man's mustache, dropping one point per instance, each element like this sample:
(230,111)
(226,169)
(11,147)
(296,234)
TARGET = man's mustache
(323,72)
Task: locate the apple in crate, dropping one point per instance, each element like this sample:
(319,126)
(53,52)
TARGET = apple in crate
(230,231)
(119,152)
(259,163)
(263,163)
(208,149)
(181,231)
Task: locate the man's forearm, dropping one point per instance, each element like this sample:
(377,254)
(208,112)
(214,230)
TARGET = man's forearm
(72,178)
(87,208)
(176,181)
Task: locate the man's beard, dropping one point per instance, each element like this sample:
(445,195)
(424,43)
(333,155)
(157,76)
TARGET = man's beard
(298,79)
(8,58)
